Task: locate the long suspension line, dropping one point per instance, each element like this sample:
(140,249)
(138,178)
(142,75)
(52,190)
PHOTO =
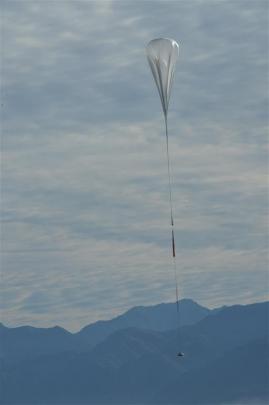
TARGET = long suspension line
(172,218)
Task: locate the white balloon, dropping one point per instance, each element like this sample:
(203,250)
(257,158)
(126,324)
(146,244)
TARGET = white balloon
(162,54)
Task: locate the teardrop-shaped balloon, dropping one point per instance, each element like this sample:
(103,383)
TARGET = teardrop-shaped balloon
(162,54)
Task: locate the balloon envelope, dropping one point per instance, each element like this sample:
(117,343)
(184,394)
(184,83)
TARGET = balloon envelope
(162,54)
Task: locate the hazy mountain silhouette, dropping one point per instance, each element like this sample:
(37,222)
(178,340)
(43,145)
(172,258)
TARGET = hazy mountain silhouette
(226,360)
(157,317)
(25,342)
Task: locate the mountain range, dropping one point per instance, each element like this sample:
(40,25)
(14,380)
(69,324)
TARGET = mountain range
(132,359)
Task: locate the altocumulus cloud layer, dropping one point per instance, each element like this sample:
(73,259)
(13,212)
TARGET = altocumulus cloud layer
(85,210)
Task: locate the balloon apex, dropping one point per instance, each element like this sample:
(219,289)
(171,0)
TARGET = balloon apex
(162,54)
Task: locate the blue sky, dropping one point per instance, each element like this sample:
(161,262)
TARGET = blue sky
(85,211)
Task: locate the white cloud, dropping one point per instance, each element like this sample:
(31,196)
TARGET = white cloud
(85,207)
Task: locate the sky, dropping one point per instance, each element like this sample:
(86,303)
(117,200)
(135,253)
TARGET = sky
(85,204)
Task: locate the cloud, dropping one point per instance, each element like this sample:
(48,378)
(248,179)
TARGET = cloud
(85,207)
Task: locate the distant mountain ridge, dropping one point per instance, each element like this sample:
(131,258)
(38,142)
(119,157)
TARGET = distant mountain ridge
(159,317)
(226,361)
(21,342)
